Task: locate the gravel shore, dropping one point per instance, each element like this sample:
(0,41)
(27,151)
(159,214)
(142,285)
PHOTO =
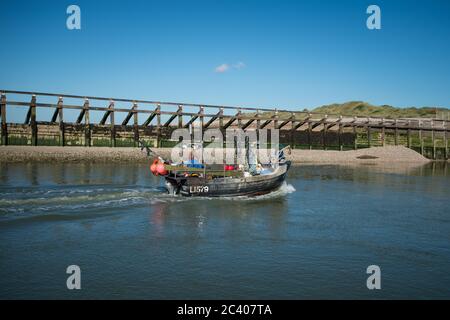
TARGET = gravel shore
(398,154)
(387,154)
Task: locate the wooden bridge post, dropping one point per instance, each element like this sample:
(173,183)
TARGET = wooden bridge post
(221,120)
(4,124)
(433,140)
(112,125)
(444,124)
(421,138)
(383,133)
(355,134)
(408,133)
(293,130)
(33,122)
(220,115)
(309,131)
(202,120)
(239,118)
(369,133)
(158,125)
(396,133)
(258,120)
(258,128)
(87,126)
(275,121)
(341,146)
(180,116)
(135,125)
(61,122)
(324,137)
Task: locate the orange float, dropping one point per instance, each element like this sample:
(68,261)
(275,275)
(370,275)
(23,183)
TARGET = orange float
(153,167)
(160,169)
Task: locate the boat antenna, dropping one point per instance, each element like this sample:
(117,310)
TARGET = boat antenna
(150,152)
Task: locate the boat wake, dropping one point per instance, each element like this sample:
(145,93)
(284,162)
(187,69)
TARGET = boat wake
(282,191)
(28,202)
(84,201)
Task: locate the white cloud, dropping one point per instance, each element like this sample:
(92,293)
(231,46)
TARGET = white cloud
(222,68)
(239,65)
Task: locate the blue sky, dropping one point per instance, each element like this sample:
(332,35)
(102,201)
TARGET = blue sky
(286,54)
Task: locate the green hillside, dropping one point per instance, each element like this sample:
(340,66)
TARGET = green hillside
(359,108)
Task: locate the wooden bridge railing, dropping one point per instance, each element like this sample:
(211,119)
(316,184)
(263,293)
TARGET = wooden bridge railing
(160,115)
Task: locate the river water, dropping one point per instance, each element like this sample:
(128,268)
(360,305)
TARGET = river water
(313,238)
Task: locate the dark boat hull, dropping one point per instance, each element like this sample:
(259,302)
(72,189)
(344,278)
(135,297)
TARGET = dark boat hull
(228,187)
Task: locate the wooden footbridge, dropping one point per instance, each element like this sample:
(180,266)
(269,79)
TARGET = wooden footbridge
(73,120)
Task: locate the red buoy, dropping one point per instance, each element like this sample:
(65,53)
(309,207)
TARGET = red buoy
(153,167)
(161,169)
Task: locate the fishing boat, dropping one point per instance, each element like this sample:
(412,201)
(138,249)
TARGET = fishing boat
(192,178)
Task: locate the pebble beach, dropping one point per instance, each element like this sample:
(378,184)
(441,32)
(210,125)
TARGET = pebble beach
(386,154)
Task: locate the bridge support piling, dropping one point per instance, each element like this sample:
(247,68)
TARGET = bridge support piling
(396,133)
(421,138)
(292,138)
(61,122)
(87,126)
(446,145)
(309,134)
(202,118)
(112,126)
(135,126)
(4,123)
(33,123)
(158,126)
(444,126)
(180,117)
(324,132)
(433,140)
(408,133)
